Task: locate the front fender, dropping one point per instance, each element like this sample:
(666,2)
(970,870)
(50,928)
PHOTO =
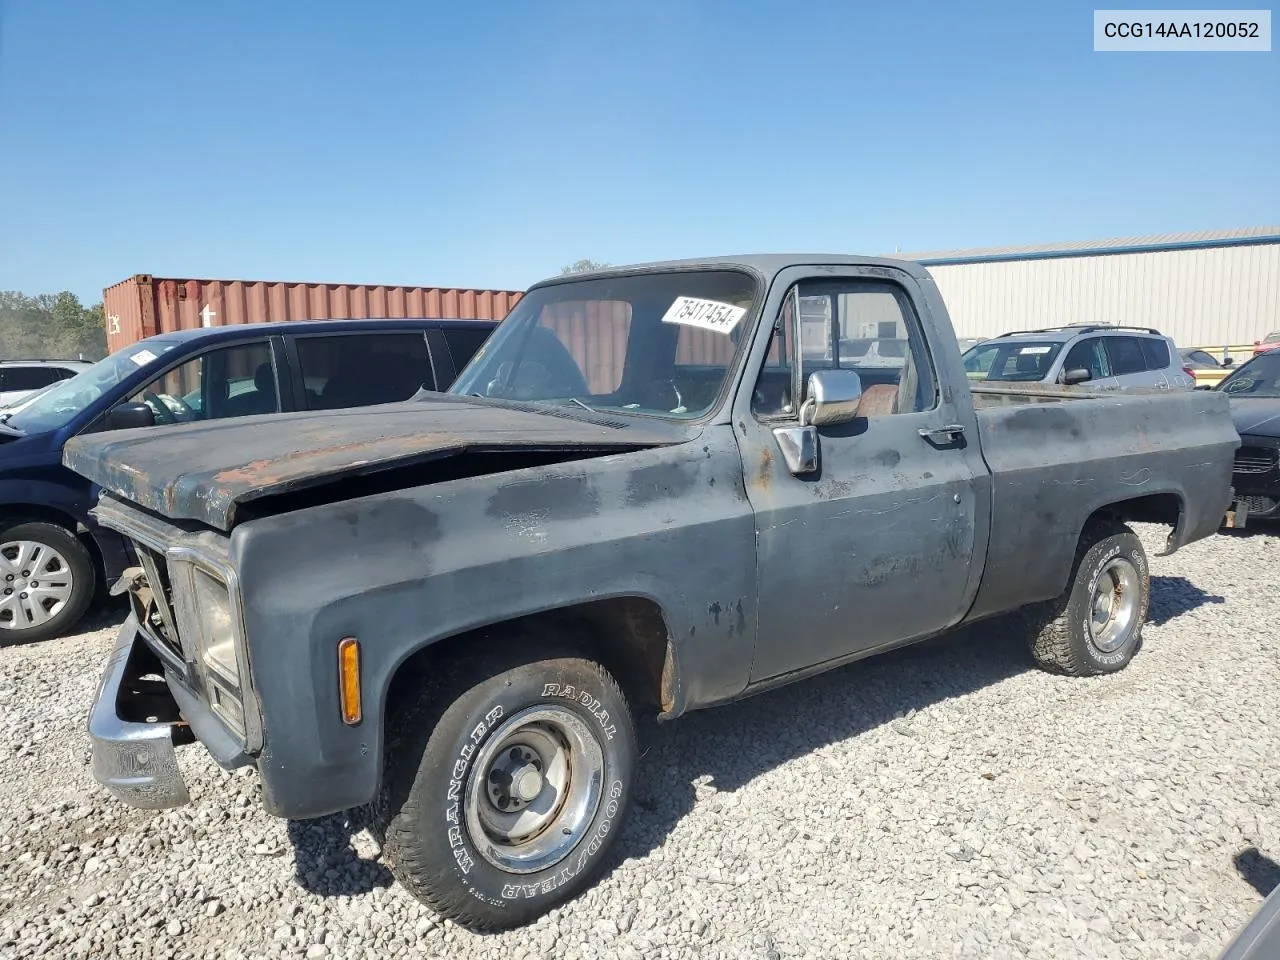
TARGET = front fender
(403,570)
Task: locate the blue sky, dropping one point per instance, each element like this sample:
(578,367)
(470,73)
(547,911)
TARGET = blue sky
(488,144)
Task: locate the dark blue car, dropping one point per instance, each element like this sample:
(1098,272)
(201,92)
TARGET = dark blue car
(54,558)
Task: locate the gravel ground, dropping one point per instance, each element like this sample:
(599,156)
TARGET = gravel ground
(947,801)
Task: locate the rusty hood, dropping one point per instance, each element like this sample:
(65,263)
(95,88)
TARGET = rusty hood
(205,471)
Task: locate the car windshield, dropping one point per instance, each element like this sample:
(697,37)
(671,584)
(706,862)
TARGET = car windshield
(61,402)
(1260,377)
(1005,360)
(656,344)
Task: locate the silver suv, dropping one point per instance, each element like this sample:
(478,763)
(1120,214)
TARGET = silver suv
(1101,357)
(21,378)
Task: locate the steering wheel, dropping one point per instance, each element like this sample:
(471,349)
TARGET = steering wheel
(159,409)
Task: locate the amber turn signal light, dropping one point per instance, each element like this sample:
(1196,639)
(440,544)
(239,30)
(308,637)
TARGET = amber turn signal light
(349,679)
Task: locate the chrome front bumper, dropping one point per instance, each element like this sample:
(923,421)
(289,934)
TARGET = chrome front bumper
(137,762)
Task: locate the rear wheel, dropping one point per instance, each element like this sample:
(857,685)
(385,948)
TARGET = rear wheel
(1096,626)
(46,581)
(505,788)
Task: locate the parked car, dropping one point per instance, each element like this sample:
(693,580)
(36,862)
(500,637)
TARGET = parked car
(1204,367)
(21,378)
(1270,342)
(1254,389)
(54,556)
(1106,358)
(652,490)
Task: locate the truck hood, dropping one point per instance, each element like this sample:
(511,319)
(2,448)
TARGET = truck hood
(206,471)
(1259,416)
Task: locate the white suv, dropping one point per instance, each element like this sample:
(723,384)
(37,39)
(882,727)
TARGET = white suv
(1099,357)
(20,378)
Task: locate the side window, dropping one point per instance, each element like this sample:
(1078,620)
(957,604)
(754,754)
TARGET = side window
(237,381)
(1126,355)
(1088,355)
(25,378)
(463,343)
(869,327)
(357,369)
(1155,352)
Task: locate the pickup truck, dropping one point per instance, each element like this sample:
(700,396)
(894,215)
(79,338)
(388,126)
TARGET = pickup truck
(656,488)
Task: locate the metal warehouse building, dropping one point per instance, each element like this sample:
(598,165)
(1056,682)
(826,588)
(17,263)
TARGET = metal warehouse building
(1202,289)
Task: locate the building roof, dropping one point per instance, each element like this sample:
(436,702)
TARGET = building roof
(1192,240)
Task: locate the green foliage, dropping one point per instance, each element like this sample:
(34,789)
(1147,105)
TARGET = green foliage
(50,326)
(582,266)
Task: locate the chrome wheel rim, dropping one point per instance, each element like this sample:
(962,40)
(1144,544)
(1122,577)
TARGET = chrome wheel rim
(1114,611)
(36,584)
(534,789)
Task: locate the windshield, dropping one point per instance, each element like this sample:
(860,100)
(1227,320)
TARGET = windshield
(659,344)
(61,402)
(1260,377)
(1010,360)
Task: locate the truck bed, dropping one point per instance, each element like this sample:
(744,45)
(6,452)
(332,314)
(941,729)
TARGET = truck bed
(1057,454)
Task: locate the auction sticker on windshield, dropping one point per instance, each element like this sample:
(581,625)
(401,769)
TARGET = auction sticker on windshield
(142,357)
(707,314)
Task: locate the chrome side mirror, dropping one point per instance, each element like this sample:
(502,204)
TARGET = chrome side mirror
(832,397)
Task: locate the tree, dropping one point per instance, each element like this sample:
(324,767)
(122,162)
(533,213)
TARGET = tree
(53,326)
(583,266)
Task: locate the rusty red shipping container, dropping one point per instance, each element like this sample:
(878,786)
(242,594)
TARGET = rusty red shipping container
(143,305)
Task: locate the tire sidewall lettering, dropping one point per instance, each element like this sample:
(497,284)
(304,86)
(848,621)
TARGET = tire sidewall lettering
(469,868)
(578,860)
(585,699)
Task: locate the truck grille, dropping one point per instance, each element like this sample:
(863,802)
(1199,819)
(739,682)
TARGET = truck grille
(1256,460)
(153,600)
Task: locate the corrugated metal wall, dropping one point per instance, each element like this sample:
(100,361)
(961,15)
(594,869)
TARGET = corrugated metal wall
(143,305)
(1198,296)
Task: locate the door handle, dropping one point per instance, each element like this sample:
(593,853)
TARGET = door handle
(948,434)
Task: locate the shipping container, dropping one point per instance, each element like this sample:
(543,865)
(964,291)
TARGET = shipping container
(143,305)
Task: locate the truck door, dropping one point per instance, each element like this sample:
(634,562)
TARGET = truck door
(877,544)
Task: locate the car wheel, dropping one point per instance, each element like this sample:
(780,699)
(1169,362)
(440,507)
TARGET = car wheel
(1096,627)
(46,581)
(505,787)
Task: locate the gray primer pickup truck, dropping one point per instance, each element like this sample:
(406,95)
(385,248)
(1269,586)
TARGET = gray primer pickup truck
(660,487)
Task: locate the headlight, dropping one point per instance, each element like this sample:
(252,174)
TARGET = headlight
(217,632)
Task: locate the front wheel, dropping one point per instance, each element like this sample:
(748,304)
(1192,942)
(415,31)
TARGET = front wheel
(1096,627)
(46,581)
(504,792)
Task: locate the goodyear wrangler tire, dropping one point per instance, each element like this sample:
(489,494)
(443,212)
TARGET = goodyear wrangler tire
(1096,627)
(503,795)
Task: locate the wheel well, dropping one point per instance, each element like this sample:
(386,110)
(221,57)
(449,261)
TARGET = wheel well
(626,635)
(24,512)
(1163,508)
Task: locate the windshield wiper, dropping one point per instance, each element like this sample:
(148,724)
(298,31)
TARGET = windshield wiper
(581,404)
